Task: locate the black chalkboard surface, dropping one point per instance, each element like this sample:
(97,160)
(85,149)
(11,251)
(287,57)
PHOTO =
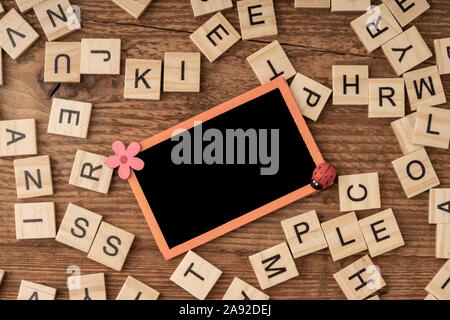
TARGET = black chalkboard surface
(187,204)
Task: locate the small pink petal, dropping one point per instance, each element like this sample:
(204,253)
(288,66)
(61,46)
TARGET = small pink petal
(118,147)
(113,161)
(133,149)
(136,163)
(124,171)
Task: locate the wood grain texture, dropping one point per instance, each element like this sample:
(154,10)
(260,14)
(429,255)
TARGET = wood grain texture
(314,40)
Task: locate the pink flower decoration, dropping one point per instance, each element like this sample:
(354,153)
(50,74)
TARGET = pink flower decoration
(125,158)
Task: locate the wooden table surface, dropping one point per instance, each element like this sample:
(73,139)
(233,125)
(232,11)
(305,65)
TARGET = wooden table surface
(314,40)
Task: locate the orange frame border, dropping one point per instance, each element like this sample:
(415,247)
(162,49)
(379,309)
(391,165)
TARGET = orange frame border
(279,83)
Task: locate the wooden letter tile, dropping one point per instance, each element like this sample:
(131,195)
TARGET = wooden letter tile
(25,5)
(304,234)
(182,71)
(196,275)
(406,51)
(442,49)
(100,56)
(69,118)
(2,275)
(424,87)
(375,297)
(241,290)
(271,62)
(202,7)
(274,266)
(360,279)
(375,27)
(34,291)
(57,18)
(1,66)
(111,246)
(439,286)
(35,220)
(439,206)
(18,137)
(33,177)
(215,37)
(133,7)
(257,18)
(359,192)
(443,241)
(62,62)
(381,232)
(349,5)
(312,4)
(78,227)
(16,35)
(415,172)
(142,79)
(135,290)
(90,171)
(406,11)
(432,127)
(344,236)
(311,96)
(88,287)
(350,85)
(429,297)
(386,98)
(403,129)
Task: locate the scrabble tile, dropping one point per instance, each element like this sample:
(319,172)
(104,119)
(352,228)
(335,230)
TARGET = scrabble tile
(403,129)
(439,206)
(16,35)
(443,241)
(376,27)
(381,232)
(439,286)
(2,275)
(304,234)
(430,297)
(25,5)
(386,98)
(90,171)
(344,236)
(432,127)
(257,18)
(54,15)
(312,4)
(135,290)
(424,87)
(34,291)
(375,297)
(406,11)
(33,177)
(78,227)
(202,7)
(359,192)
(241,290)
(350,85)
(406,51)
(274,266)
(311,96)
(1,66)
(62,62)
(182,71)
(360,279)
(442,50)
(69,118)
(134,7)
(271,62)
(35,220)
(89,287)
(142,79)
(415,172)
(196,275)
(111,246)
(215,37)
(18,137)
(100,56)
(349,5)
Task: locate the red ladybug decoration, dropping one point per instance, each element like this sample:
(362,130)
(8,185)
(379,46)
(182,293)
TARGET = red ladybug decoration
(323,176)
